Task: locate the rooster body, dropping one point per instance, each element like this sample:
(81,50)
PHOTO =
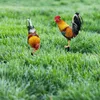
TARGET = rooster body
(67,31)
(33,38)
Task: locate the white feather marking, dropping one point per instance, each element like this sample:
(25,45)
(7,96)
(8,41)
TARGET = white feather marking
(32,30)
(75,15)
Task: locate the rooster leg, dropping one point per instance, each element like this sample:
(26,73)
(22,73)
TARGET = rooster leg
(32,53)
(68,46)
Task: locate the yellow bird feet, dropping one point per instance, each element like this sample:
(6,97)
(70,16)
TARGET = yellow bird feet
(67,47)
(32,53)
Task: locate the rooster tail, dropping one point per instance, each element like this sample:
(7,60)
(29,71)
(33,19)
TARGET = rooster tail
(76,23)
(29,25)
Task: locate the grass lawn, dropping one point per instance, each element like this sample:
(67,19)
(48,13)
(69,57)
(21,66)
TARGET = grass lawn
(52,73)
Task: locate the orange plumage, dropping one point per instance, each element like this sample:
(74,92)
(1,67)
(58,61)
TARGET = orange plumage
(34,41)
(66,30)
(33,38)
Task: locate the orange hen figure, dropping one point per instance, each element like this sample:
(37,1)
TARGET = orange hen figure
(67,31)
(33,38)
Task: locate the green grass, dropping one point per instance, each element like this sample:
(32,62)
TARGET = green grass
(52,73)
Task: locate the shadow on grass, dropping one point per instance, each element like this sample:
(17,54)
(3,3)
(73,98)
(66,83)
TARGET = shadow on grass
(88,49)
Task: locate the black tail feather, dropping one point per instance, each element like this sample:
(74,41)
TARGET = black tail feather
(29,24)
(76,23)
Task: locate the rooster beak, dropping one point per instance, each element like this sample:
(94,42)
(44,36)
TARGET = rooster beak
(57,20)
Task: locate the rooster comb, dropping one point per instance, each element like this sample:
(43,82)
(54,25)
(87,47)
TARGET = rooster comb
(57,17)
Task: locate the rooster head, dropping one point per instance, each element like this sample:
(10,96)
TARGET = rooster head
(57,18)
